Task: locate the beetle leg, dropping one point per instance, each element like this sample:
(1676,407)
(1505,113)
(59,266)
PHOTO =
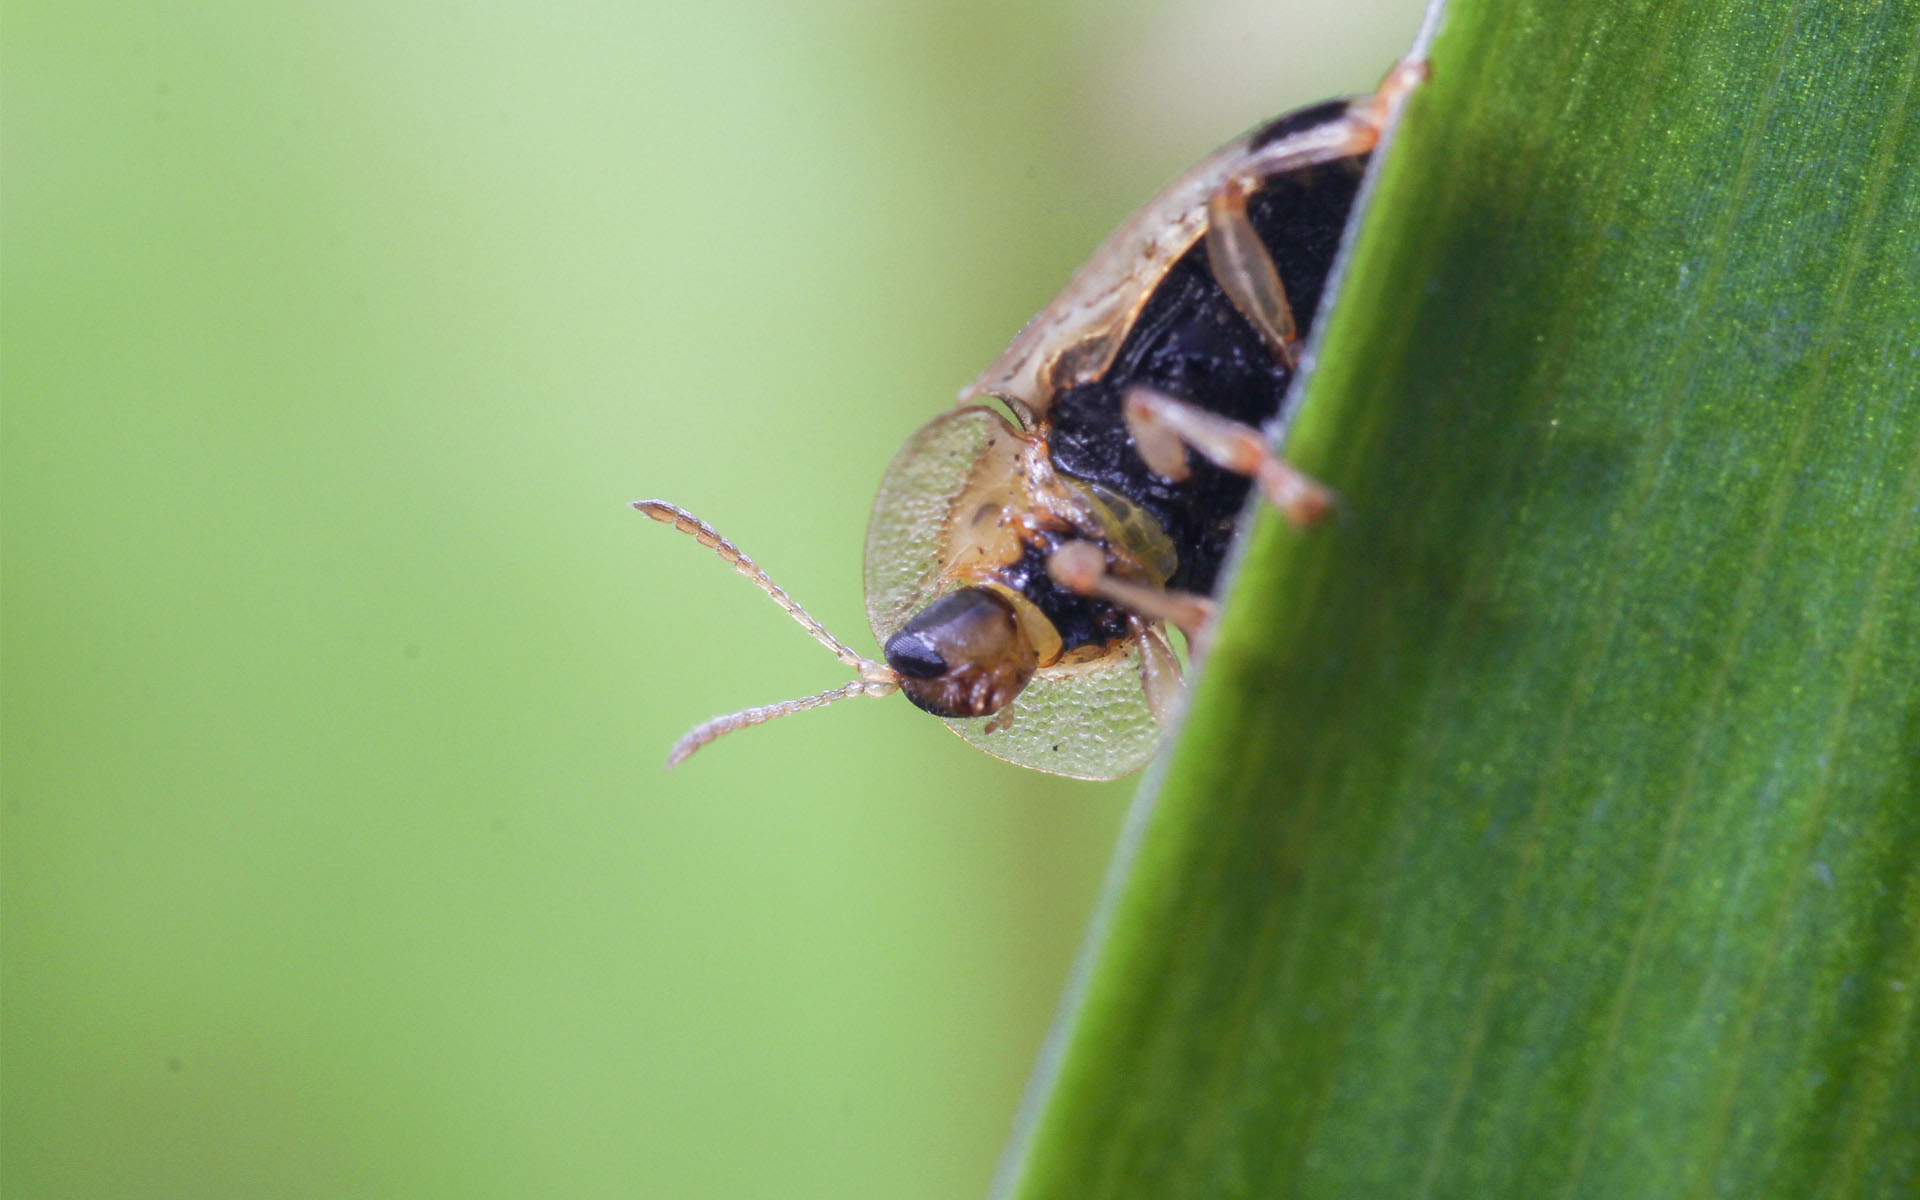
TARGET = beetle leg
(1081,568)
(1355,131)
(1159,672)
(1245,271)
(1405,75)
(1157,420)
(1240,261)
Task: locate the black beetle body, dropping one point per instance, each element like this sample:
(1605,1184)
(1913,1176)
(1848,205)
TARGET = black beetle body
(1192,343)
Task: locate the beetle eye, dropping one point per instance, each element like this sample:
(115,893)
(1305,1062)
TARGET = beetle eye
(964,655)
(913,655)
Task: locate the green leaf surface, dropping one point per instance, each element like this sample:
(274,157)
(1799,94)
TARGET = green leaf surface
(1550,825)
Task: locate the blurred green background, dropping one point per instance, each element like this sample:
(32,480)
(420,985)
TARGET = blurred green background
(338,859)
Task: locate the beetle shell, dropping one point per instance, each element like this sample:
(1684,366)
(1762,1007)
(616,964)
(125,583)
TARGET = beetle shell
(1020,574)
(974,499)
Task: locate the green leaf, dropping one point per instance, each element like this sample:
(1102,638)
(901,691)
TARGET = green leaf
(1550,826)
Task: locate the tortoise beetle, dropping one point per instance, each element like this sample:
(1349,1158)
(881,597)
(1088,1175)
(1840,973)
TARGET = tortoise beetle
(1020,574)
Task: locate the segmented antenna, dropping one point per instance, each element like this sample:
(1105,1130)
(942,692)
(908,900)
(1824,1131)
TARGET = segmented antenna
(700,735)
(708,536)
(876,679)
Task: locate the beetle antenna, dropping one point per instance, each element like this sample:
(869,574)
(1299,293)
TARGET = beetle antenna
(876,679)
(702,734)
(708,536)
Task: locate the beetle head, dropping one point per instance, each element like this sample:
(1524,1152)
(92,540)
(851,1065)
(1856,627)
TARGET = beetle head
(964,655)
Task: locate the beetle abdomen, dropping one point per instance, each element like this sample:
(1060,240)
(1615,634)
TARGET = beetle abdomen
(1191,343)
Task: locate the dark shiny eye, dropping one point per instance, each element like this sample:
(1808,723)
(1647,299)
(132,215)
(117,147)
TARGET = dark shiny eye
(911,654)
(964,655)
